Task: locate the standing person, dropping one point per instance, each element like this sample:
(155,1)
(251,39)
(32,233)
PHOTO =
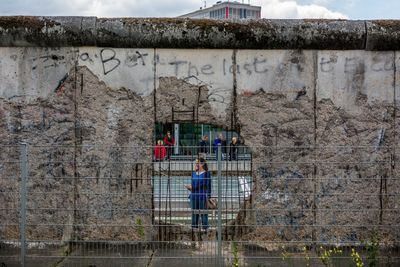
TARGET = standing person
(233,149)
(223,147)
(169,142)
(159,151)
(220,140)
(200,189)
(217,141)
(203,145)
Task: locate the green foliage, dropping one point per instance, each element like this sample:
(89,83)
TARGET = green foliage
(286,256)
(356,258)
(140,228)
(325,255)
(307,256)
(372,248)
(235,253)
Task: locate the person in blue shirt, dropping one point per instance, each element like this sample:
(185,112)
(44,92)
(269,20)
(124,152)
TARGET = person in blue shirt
(217,140)
(220,139)
(200,189)
(203,145)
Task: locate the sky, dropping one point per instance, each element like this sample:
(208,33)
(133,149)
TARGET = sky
(273,9)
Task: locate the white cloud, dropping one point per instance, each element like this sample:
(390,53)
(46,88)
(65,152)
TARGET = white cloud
(140,8)
(100,8)
(290,9)
(282,9)
(322,2)
(350,3)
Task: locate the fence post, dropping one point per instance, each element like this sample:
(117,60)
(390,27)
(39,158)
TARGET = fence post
(24,177)
(219,154)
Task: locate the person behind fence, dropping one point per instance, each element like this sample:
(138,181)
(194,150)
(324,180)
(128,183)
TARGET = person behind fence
(159,151)
(200,192)
(233,149)
(220,139)
(169,142)
(203,145)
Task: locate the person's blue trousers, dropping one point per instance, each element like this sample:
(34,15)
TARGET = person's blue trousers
(199,204)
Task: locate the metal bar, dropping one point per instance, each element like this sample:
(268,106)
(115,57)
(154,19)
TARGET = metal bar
(170,204)
(24,178)
(220,260)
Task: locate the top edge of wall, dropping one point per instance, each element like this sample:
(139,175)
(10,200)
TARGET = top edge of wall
(28,31)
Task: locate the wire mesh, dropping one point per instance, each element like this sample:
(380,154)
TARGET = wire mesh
(290,205)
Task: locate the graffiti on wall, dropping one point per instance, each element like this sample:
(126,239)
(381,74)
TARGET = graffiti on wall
(110,62)
(261,64)
(357,64)
(139,69)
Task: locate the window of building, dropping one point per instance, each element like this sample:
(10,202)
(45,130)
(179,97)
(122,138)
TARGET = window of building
(236,13)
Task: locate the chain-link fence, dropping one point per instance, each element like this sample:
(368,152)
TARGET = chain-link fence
(135,206)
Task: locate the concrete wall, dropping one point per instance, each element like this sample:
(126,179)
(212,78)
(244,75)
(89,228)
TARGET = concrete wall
(322,123)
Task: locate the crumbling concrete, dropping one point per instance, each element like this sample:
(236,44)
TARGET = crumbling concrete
(322,124)
(89,165)
(282,142)
(189,102)
(189,33)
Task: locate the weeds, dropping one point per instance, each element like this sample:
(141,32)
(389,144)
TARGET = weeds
(235,253)
(306,256)
(140,228)
(325,255)
(286,256)
(372,248)
(356,258)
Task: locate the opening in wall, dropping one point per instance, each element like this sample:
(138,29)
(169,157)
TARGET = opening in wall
(189,139)
(186,178)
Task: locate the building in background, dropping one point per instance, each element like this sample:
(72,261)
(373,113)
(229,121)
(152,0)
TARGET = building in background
(226,10)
